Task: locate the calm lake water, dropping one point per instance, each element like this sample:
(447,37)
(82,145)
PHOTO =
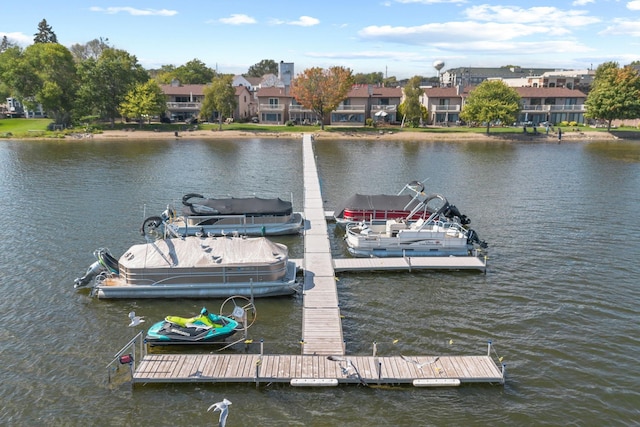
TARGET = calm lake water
(560,299)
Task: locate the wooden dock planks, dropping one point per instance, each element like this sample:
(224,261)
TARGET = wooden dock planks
(251,368)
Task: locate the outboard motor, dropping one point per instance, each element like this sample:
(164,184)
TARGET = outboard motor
(453,212)
(473,238)
(93,270)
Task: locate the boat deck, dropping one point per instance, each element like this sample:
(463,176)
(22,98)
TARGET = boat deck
(322,334)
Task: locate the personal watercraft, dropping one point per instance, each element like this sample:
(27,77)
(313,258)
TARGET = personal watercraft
(205,328)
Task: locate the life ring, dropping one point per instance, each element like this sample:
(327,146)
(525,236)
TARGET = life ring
(186,197)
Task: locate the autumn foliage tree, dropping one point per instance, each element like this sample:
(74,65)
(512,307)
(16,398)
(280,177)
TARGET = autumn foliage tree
(322,90)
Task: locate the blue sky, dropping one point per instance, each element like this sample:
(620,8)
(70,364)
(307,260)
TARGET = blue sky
(401,38)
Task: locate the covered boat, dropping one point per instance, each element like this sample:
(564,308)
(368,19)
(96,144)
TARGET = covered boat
(436,235)
(194,267)
(383,207)
(251,216)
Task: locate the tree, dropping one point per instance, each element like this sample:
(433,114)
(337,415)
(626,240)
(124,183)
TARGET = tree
(615,94)
(194,72)
(220,97)
(491,101)
(368,79)
(411,106)
(322,90)
(89,50)
(144,100)
(6,44)
(266,66)
(106,81)
(45,74)
(45,33)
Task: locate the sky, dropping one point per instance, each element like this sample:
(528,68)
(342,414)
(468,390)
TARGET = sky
(400,38)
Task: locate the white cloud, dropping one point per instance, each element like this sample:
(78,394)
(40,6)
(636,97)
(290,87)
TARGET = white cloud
(623,27)
(633,5)
(238,19)
(134,11)
(582,2)
(305,21)
(456,32)
(19,38)
(547,15)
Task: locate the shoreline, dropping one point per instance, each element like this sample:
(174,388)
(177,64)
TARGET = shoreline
(387,135)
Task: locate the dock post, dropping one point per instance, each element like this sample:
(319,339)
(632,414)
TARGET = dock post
(375,348)
(489,349)
(504,371)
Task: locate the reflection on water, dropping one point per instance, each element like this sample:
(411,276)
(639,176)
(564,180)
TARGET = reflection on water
(559,300)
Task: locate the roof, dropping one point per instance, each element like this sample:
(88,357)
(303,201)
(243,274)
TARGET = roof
(183,89)
(272,91)
(362,91)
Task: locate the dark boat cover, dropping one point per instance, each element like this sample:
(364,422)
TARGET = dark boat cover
(379,202)
(251,206)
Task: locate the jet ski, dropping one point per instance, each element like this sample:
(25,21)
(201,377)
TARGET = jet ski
(205,328)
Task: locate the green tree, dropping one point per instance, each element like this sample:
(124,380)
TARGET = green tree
(45,33)
(412,108)
(266,66)
(6,44)
(220,97)
(143,101)
(194,72)
(614,94)
(45,74)
(491,101)
(322,90)
(106,81)
(164,74)
(376,78)
(9,59)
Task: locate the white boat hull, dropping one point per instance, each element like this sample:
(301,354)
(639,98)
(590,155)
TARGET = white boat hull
(399,239)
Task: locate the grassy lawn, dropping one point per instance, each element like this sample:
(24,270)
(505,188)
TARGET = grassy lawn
(23,128)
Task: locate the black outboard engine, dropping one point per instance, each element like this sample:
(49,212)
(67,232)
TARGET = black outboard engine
(452,212)
(473,238)
(93,270)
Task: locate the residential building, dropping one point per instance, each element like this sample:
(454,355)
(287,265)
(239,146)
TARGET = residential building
(273,104)
(183,101)
(538,104)
(368,102)
(551,104)
(473,76)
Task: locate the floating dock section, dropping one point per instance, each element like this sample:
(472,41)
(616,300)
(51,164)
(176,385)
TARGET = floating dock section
(322,361)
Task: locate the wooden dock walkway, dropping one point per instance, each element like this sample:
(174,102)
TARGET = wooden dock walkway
(307,370)
(321,324)
(322,361)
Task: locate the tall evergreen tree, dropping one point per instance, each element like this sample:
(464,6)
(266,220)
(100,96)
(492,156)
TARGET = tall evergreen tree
(45,33)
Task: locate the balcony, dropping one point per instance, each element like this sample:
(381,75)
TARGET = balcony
(352,108)
(184,106)
(445,108)
(387,108)
(271,107)
(578,108)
